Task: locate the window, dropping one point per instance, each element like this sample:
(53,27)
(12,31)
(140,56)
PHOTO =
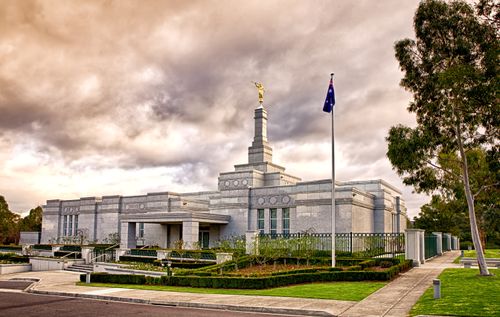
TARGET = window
(76,224)
(260,220)
(70,225)
(141,229)
(65,225)
(273,217)
(286,220)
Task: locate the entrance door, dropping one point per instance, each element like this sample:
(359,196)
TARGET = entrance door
(204,239)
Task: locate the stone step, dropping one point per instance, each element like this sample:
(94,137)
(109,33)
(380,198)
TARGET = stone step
(82,268)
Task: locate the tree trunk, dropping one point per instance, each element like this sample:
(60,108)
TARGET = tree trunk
(483,268)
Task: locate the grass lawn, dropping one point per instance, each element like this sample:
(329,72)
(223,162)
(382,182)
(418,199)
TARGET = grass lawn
(352,291)
(463,293)
(488,253)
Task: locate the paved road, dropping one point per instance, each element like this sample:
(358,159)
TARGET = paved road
(26,305)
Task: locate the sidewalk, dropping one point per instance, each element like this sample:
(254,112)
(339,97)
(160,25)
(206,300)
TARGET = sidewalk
(395,299)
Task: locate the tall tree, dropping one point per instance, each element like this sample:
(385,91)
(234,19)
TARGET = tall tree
(8,223)
(451,68)
(33,221)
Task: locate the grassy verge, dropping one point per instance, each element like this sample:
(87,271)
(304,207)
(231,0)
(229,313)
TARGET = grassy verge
(352,291)
(488,253)
(463,293)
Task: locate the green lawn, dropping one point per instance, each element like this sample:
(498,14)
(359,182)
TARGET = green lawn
(488,253)
(352,291)
(463,293)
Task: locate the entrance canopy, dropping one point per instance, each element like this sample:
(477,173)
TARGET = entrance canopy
(188,223)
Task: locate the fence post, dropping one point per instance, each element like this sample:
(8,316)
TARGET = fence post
(412,246)
(350,243)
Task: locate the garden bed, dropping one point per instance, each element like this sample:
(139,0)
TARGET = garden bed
(215,277)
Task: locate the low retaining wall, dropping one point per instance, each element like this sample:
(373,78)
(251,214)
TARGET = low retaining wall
(14,268)
(51,264)
(119,269)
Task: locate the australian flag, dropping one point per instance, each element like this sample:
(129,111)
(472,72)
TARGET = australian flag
(330,98)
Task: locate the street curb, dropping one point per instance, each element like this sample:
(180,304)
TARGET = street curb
(269,310)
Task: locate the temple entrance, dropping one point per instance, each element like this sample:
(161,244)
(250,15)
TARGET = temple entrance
(204,239)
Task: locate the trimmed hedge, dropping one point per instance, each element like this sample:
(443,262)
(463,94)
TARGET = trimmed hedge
(12,257)
(253,282)
(64,253)
(11,247)
(131,258)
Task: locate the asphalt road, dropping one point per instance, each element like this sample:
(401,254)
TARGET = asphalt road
(22,304)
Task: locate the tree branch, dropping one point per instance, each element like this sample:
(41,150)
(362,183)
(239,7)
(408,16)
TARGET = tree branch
(442,169)
(485,187)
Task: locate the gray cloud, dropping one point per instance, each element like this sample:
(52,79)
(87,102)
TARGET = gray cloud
(131,86)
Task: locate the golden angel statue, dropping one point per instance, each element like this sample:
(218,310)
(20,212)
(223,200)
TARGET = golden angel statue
(261,90)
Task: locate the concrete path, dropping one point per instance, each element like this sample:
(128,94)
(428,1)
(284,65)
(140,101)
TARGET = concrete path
(395,299)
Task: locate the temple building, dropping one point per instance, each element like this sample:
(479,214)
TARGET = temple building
(256,196)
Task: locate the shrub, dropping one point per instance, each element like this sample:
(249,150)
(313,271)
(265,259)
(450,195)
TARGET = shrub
(386,264)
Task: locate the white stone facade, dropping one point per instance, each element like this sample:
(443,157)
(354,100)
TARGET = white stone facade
(258,196)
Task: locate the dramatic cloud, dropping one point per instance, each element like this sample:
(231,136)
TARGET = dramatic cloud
(126,97)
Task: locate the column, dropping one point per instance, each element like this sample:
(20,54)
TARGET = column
(190,232)
(128,234)
(439,242)
(163,242)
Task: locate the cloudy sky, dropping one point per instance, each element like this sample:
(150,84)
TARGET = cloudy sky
(129,97)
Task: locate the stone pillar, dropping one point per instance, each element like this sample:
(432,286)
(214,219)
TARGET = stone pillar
(87,254)
(252,242)
(439,238)
(190,233)
(412,246)
(223,257)
(455,243)
(162,254)
(422,246)
(55,248)
(119,253)
(26,249)
(448,246)
(163,243)
(127,236)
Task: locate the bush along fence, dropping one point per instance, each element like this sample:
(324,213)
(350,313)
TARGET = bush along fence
(208,279)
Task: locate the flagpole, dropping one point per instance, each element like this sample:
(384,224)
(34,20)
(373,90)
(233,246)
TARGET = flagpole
(333,183)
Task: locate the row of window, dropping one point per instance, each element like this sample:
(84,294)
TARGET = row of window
(70,225)
(273,220)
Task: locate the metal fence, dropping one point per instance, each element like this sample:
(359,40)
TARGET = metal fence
(430,246)
(104,255)
(347,244)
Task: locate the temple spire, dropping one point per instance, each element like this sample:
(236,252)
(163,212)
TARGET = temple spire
(260,151)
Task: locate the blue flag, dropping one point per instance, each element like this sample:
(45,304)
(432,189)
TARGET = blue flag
(330,98)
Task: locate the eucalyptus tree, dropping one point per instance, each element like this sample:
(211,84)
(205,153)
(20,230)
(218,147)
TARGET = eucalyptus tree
(451,68)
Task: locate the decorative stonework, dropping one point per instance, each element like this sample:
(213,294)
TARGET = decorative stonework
(234,184)
(280,200)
